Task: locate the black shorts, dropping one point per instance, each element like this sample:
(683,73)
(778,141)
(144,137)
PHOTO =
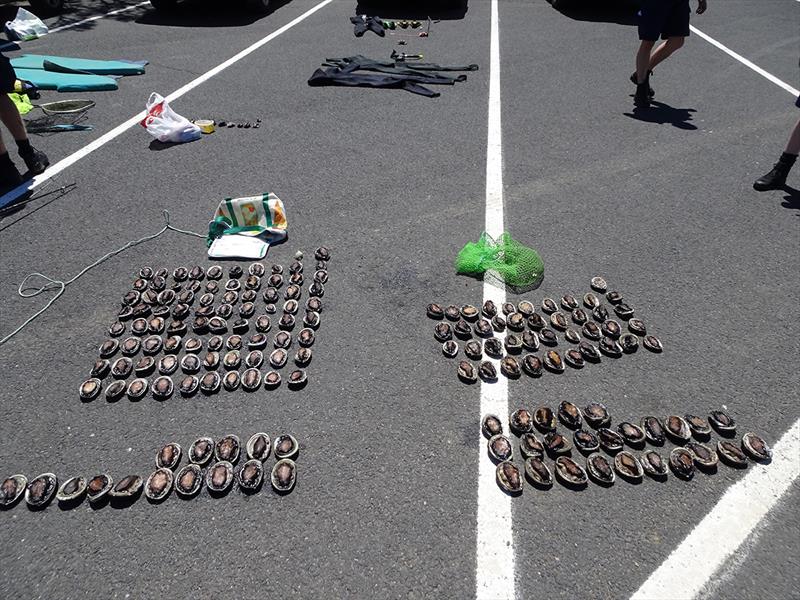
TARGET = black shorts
(665,18)
(7,76)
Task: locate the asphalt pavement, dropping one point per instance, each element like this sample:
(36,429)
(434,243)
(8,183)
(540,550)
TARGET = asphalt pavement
(660,203)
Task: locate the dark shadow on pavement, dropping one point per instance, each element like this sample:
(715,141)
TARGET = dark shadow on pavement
(664,114)
(70,504)
(123,502)
(157,146)
(792,199)
(20,192)
(75,12)
(415,10)
(26,198)
(622,12)
(517,290)
(207,13)
(78,11)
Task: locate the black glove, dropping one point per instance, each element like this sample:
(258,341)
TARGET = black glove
(363,23)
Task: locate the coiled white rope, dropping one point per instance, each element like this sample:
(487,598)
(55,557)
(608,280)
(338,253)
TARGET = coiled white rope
(55,284)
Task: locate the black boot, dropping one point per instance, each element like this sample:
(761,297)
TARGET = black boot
(35,160)
(9,174)
(641,99)
(650,91)
(776,178)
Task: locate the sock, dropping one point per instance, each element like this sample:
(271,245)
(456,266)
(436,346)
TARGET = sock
(25,148)
(787,159)
(5,160)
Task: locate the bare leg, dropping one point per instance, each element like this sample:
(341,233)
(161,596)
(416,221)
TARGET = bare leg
(793,146)
(776,178)
(12,119)
(643,60)
(664,50)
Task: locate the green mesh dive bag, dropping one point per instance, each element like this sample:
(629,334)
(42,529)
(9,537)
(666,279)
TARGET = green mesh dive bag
(516,265)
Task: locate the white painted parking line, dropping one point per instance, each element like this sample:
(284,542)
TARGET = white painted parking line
(746,62)
(70,160)
(494,567)
(695,561)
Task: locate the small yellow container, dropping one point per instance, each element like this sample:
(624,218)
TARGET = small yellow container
(205,125)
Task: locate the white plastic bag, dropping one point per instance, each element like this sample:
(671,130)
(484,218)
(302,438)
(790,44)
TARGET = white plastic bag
(165,124)
(26,26)
(238,246)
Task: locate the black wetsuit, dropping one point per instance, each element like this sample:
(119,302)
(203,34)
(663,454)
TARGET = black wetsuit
(360,71)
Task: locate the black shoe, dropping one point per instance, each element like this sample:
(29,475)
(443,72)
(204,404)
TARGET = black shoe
(776,178)
(641,99)
(9,176)
(36,161)
(650,91)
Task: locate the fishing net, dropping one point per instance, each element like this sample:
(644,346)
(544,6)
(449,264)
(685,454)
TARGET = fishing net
(62,115)
(515,264)
(66,107)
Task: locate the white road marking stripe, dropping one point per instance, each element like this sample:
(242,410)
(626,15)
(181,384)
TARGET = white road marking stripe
(494,570)
(746,62)
(693,563)
(70,160)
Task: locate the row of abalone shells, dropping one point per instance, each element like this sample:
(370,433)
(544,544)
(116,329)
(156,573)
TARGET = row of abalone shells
(218,475)
(154,344)
(688,456)
(164,387)
(226,352)
(158,279)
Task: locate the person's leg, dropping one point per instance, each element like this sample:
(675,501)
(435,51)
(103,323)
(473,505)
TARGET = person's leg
(651,20)
(664,50)
(11,118)
(9,175)
(793,145)
(35,160)
(673,27)
(643,60)
(643,90)
(776,178)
